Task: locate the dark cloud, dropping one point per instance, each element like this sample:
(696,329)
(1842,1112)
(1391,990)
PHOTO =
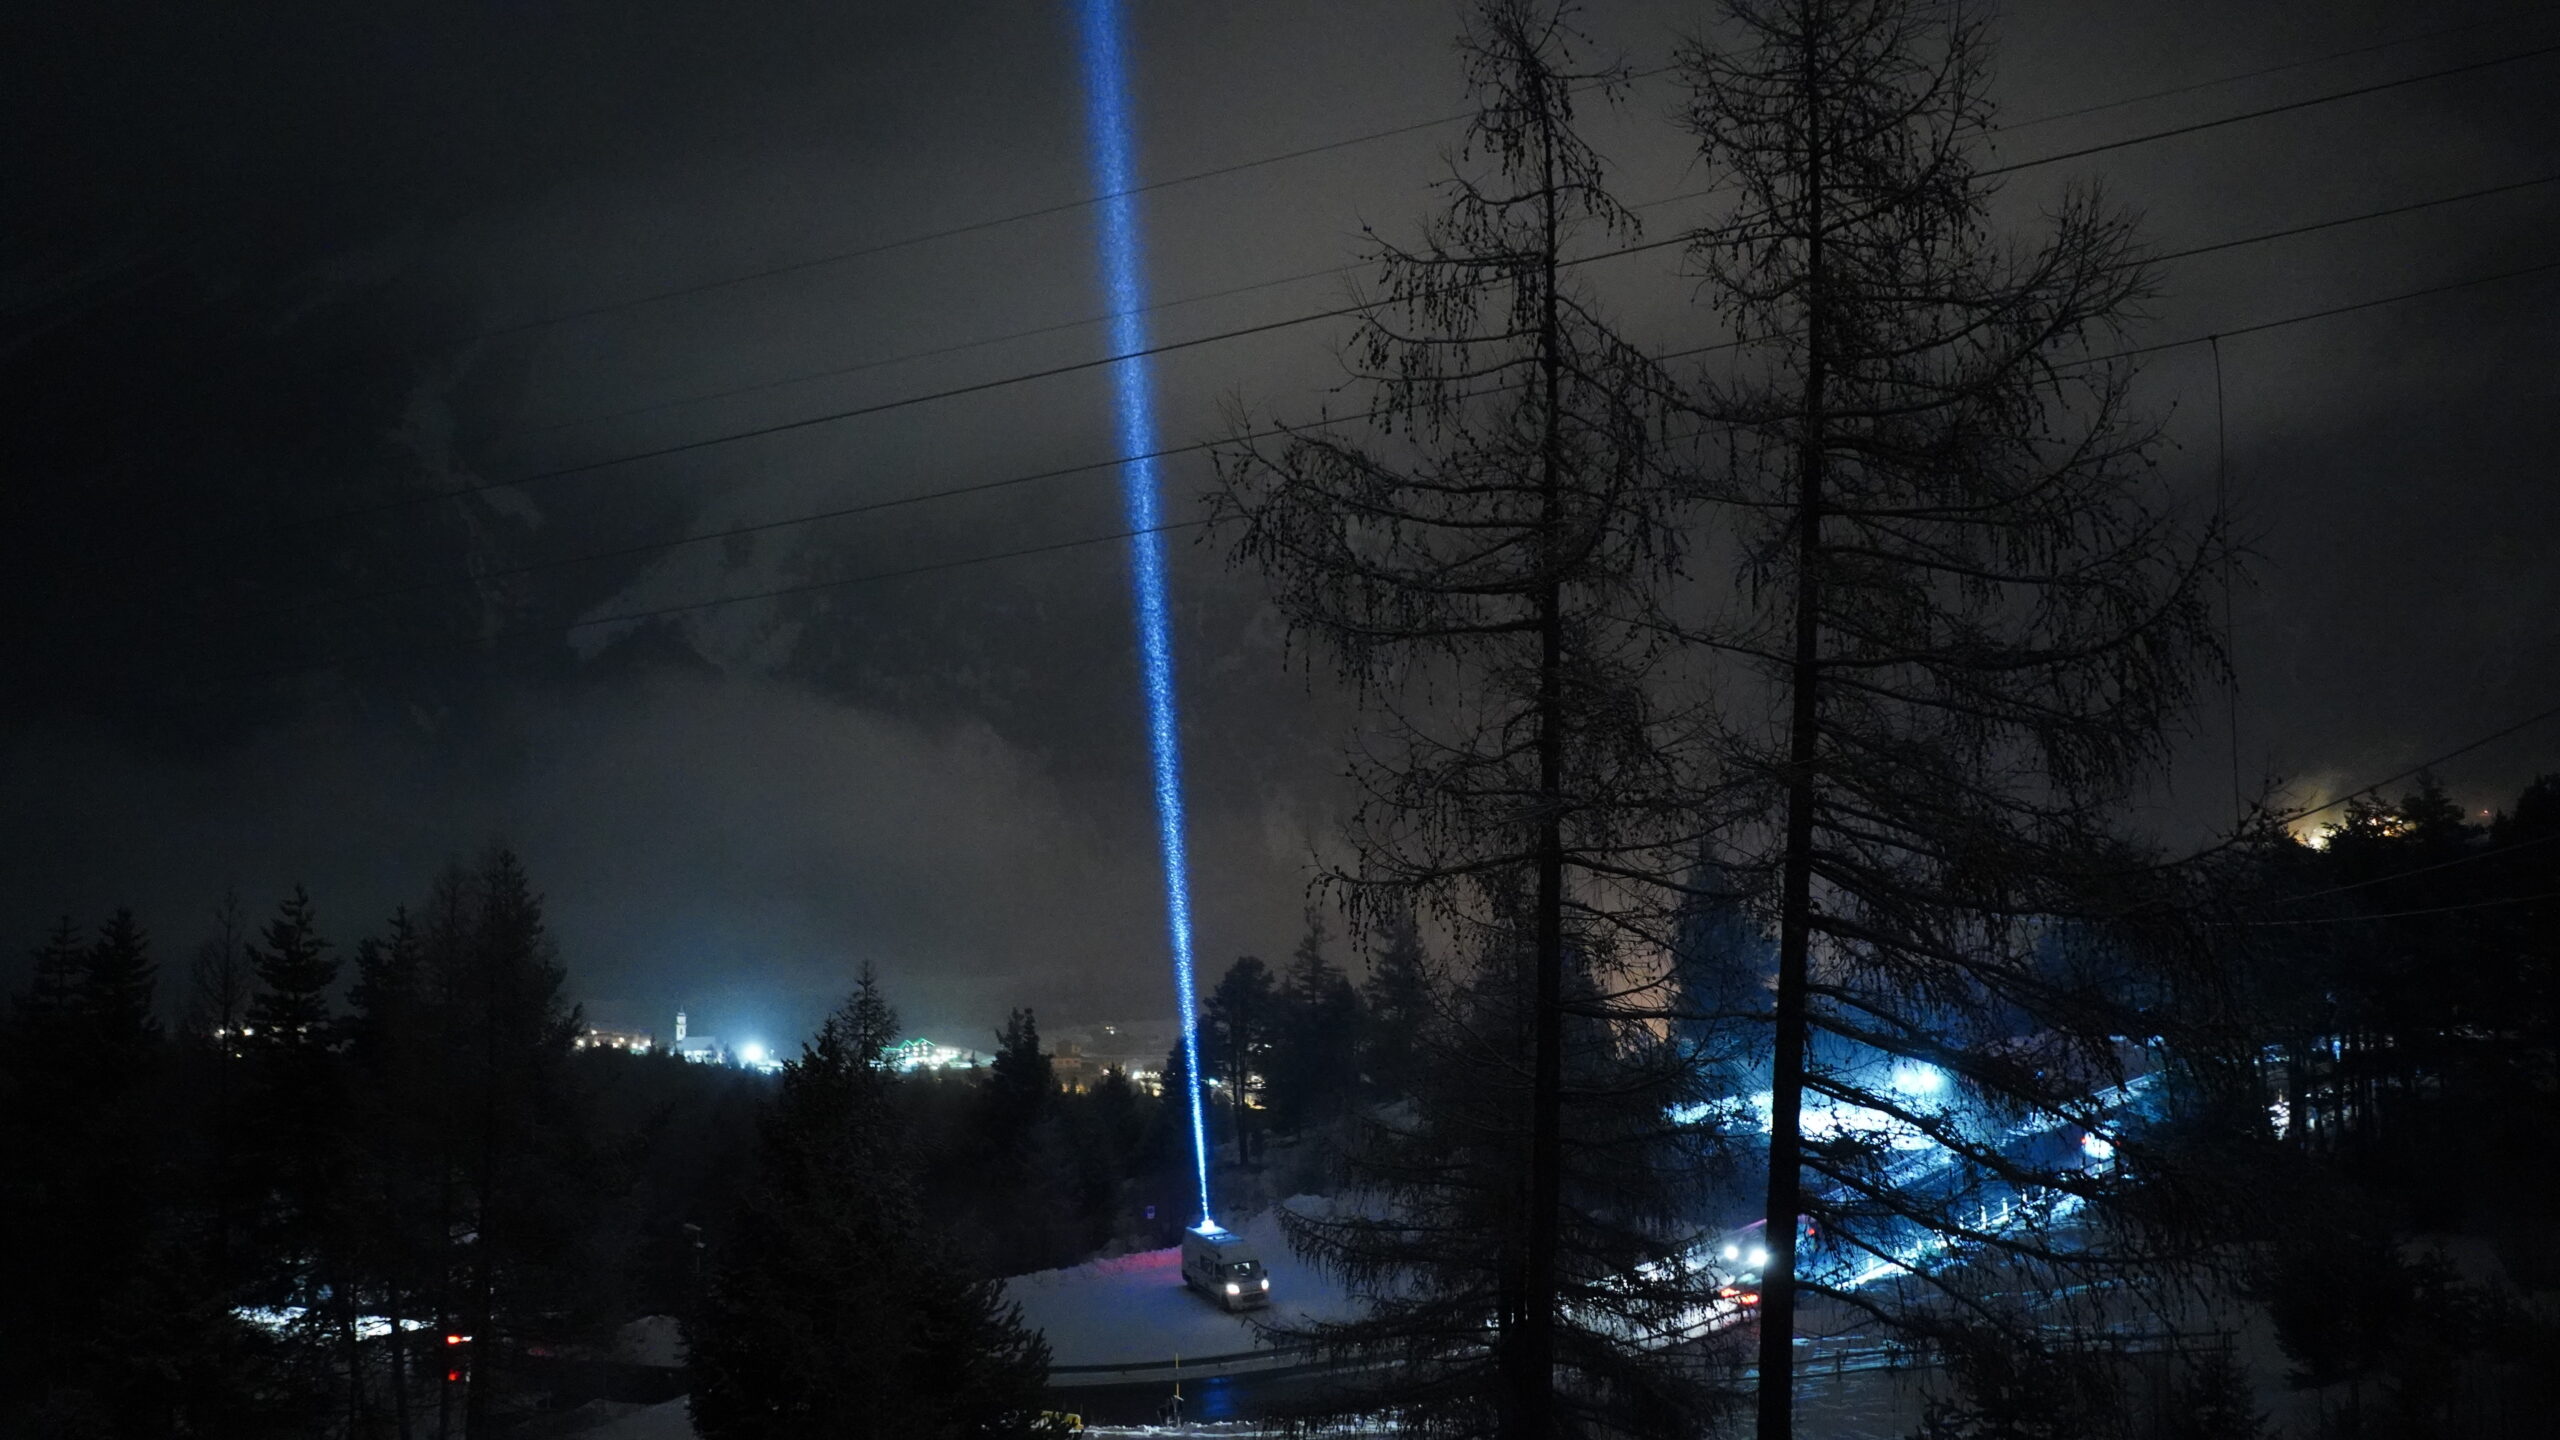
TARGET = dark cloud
(288,249)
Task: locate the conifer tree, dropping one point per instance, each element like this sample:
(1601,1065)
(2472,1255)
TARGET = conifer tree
(50,1006)
(220,979)
(391,1177)
(1396,1007)
(296,1107)
(53,1308)
(290,1013)
(517,1154)
(835,1308)
(1236,1045)
(1315,1042)
(117,978)
(1428,1229)
(1021,1082)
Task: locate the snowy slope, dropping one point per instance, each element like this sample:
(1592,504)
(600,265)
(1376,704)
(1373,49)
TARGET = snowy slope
(670,1421)
(1134,1308)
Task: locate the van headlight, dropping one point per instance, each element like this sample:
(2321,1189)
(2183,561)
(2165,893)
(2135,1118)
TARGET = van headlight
(1234,1289)
(1266,1282)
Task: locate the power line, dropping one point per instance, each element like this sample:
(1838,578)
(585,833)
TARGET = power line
(1347,142)
(2397,914)
(737,532)
(2263,112)
(1263,328)
(2473,858)
(628,617)
(2422,766)
(875,408)
(959,347)
(1035,332)
(1060,472)
(1168,452)
(2317,225)
(2347,309)
(936,352)
(1064,207)
(1116,536)
(2266,70)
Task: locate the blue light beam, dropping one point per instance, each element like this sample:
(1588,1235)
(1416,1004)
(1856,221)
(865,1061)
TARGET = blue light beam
(1116,217)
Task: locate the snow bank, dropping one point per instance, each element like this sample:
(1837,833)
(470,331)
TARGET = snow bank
(656,1340)
(670,1421)
(1134,1308)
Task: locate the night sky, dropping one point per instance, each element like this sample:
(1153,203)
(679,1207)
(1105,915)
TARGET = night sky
(276,272)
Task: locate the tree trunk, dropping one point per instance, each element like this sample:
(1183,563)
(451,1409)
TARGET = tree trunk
(1534,1349)
(1795,918)
(354,1347)
(399,1362)
(484,1337)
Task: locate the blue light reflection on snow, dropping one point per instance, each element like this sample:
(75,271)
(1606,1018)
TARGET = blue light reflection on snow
(1116,214)
(1920,1162)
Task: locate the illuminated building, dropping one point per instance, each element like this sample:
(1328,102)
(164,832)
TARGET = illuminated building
(700,1049)
(634,1042)
(920,1053)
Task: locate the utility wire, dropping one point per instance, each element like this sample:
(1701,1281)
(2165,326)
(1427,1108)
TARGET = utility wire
(627,617)
(2397,914)
(1063,207)
(2346,309)
(2473,858)
(1301,277)
(2263,112)
(2290,817)
(2266,70)
(1348,142)
(1272,326)
(1116,537)
(1114,462)
(959,347)
(1168,452)
(2230,635)
(1034,332)
(2456,753)
(906,357)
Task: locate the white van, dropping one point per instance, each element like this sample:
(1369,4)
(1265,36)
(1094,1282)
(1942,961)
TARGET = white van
(1221,1265)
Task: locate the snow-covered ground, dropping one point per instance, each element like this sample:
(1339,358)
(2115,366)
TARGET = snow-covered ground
(1135,1309)
(669,1421)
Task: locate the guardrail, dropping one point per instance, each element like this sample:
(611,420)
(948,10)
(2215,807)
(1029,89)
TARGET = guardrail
(1273,1360)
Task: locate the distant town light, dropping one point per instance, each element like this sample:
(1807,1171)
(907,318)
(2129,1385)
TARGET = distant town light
(752,1053)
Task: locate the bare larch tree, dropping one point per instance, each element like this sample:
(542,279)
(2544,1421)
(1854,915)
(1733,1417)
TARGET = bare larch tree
(1484,554)
(1974,616)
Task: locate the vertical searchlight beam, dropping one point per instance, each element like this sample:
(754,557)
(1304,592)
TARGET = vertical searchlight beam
(1116,222)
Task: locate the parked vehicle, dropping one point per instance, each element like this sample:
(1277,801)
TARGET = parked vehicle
(1221,1265)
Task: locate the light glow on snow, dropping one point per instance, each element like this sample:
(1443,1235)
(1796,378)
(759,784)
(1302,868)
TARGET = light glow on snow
(1116,217)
